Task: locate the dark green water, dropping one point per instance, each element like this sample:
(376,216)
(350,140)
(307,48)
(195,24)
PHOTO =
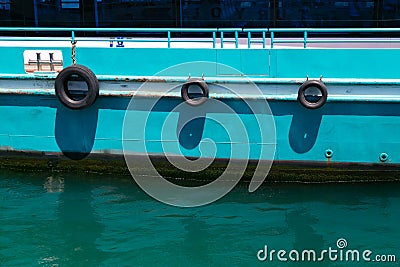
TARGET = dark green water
(64,220)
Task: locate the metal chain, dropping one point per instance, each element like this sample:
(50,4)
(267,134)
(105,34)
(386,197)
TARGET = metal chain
(73,52)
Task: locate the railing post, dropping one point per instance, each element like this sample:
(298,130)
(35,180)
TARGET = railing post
(222,39)
(248,39)
(214,40)
(169,39)
(272,39)
(236,39)
(305,39)
(263,36)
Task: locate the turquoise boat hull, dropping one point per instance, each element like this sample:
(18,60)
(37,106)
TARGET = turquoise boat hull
(356,132)
(359,124)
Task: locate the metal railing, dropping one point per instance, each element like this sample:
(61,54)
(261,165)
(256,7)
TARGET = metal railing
(264,35)
(306,31)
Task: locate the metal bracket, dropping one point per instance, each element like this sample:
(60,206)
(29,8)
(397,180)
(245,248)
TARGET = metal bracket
(39,62)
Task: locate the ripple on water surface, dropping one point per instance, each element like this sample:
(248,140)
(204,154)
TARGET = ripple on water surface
(66,220)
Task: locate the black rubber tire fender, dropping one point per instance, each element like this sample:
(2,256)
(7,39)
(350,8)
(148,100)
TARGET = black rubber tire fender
(317,84)
(195,101)
(62,92)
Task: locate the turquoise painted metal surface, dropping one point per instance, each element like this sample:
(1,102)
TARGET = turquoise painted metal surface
(335,63)
(358,124)
(359,133)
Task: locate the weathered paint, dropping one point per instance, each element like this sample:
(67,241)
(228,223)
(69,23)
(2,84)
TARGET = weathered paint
(357,134)
(284,90)
(359,123)
(103,165)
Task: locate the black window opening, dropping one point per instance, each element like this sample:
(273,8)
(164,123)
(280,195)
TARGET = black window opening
(326,14)
(142,14)
(58,13)
(5,16)
(200,13)
(391,13)
(220,14)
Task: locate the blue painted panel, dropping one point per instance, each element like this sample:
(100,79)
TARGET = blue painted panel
(142,62)
(163,128)
(230,57)
(255,62)
(147,62)
(355,132)
(335,63)
(282,63)
(109,124)
(39,120)
(12,60)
